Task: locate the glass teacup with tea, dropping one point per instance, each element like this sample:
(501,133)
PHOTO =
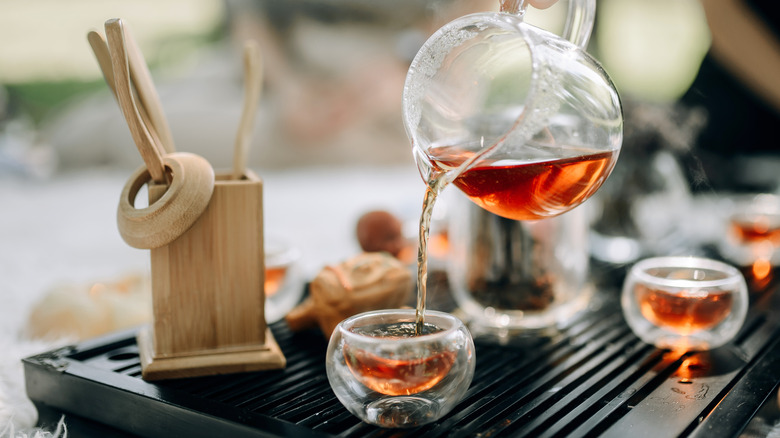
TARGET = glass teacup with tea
(386,374)
(686,303)
(753,228)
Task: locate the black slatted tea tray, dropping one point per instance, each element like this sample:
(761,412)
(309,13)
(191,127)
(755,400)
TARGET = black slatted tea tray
(592,378)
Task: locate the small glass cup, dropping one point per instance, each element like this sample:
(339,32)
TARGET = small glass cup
(688,303)
(753,229)
(283,279)
(388,377)
(756,220)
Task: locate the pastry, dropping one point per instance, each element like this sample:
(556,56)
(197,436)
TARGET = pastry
(369,281)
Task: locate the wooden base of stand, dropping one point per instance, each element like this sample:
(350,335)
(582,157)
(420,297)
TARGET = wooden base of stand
(264,357)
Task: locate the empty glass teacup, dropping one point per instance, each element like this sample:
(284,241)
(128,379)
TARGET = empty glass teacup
(688,303)
(385,375)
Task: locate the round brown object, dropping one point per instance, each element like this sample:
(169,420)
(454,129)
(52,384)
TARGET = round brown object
(369,281)
(380,231)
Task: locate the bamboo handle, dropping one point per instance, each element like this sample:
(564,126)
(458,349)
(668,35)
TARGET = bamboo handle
(100,49)
(147,93)
(253,84)
(119,63)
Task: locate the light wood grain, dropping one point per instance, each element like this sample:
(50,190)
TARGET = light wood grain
(148,97)
(208,284)
(253,84)
(267,356)
(103,56)
(119,63)
(100,49)
(172,209)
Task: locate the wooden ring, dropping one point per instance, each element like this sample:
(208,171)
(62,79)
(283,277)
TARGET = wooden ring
(162,222)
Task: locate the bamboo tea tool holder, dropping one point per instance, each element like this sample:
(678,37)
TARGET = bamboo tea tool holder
(205,236)
(207,290)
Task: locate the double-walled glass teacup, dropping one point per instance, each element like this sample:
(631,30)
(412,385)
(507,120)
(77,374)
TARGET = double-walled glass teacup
(283,278)
(688,303)
(753,229)
(385,375)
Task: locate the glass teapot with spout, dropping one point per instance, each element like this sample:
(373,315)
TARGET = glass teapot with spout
(526,123)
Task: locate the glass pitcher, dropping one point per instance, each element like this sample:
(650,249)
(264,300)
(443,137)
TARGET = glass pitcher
(489,90)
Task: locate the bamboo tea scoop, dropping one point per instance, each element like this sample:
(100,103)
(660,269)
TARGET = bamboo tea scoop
(191,176)
(147,93)
(124,94)
(100,49)
(253,84)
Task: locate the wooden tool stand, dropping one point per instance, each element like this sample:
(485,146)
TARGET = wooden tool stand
(208,290)
(205,232)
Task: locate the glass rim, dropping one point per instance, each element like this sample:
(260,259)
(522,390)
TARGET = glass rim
(406,315)
(754,204)
(505,21)
(639,270)
(278,251)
